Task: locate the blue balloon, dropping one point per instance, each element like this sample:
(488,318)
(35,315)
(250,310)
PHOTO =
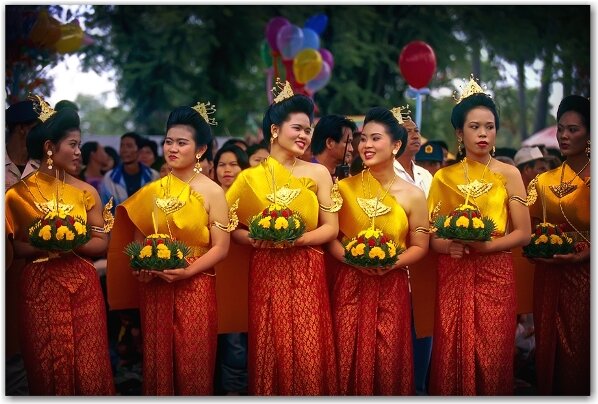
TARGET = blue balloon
(311,40)
(317,22)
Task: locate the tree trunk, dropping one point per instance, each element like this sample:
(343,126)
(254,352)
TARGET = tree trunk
(567,77)
(476,63)
(522,103)
(544,93)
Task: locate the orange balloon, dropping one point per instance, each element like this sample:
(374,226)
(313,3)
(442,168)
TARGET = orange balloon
(71,38)
(306,65)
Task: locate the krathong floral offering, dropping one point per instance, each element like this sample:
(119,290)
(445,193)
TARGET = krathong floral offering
(464,223)
(157,252)
(59,232)
(277,223)
(371,249)
(548,240)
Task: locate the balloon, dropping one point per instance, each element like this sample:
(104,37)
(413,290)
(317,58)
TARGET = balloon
(317,22)
(306,65)
(272,28)
(87,40)
(327,57)
(311,40)
(289,41)
(265,53)
(317,83)
(417,63)
(45,31)
(71,38)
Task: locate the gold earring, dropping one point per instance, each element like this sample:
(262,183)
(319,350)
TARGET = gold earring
(197,167)
(493,151)
(273,137)
(459,145)
(49,160)
(588,148)
(394,152)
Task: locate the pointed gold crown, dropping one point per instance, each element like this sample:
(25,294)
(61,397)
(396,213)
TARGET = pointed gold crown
(401,113)
(42,108)
(470,89)
(284,91)
(205,110)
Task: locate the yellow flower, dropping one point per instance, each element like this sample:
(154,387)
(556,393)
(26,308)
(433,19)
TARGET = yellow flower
(274,206)
(463,222)
(61,214)
(61,232)
(477,223)
(80,228)
(372,233)
(281,223)
(265,222)
(447,222)
(146,251)
(541,240)
(392,250)
(70,236)
(46,232)
(350,244)
(359,249)
(554,239)
(163,253)
(179,254)
(377,252)
(464,207)
(297,224)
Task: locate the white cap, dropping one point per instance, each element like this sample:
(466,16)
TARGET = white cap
(527,154)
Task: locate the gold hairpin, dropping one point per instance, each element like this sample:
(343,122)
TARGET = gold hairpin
(284,91)
(42,108)
(470,89)
(205,110)
(400,115)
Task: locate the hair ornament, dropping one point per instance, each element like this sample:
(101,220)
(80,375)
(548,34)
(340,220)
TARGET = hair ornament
(205,110)
(400,115)
(284,90)
(470,89)
(42,108)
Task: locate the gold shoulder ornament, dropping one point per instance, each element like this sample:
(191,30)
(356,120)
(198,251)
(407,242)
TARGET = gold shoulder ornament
(532,193)
(337,199)
(108,218)
(233,220)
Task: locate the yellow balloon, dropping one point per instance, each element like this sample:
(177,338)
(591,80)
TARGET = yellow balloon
(45,31)
(306,65)
(71,38)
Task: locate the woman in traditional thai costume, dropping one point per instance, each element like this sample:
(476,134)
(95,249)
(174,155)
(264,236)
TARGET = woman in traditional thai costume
(372,310)
(177,306)
(474,321)
(562,283)
(291,348)
(62,321)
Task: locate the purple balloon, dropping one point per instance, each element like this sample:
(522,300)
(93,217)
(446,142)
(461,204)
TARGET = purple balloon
(289,41)
(272,28)
(327,57)
(311,40)
(318,82)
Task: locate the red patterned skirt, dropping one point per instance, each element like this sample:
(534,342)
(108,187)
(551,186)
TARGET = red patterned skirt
(63,328)
(179,329)
(562,326)
(372,323)
(291,347)
(474,326)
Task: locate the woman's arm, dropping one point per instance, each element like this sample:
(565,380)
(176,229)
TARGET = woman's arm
(417,213)
(98,243)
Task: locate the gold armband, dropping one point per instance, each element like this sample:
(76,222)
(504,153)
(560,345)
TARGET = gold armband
(108,218)
(98,229)
(421,229)
(532,194)
(337,200)
(519,199)
(233,220)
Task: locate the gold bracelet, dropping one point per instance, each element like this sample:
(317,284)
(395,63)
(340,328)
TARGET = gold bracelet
(233,220)
(519,199)
(97,229)
(421,229)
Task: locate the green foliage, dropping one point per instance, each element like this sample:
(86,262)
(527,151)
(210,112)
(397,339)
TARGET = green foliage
(100,120)
(153,262)
(278,224)
(548,240)
(454,229)
(52,233)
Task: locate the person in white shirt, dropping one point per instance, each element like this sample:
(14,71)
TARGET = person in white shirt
(404,165)
(20,119)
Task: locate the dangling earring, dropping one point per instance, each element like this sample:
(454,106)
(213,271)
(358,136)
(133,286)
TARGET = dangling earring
(394,153)
(493,151)
(49,161)
(588,148)
(197,167)
(459,145)
(274,136)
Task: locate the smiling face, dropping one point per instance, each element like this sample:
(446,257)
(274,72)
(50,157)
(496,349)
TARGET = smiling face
(294,134)
(66,155)
(479,132)
(376,144)
(572,134)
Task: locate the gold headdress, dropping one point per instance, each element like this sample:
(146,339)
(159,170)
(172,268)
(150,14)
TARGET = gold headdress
(42,108)
(284,91)
(400,115)
(470,89)
(205,110)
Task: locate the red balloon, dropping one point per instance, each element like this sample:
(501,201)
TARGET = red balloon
(417,63)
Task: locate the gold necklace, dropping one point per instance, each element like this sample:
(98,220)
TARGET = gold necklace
(55,204)
(169,204)
(477,187)
(284,195)
(565,188)
(374,207)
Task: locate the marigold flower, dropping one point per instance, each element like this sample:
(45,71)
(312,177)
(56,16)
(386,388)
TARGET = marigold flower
(350,244)
(46,232)
(359,249)
(265,222)
(145,252)
(554,239)
(164,253)
(541,240)
(61,232)
(462,222)
(477,223)
(80,228)
(281,223)
(377,252)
